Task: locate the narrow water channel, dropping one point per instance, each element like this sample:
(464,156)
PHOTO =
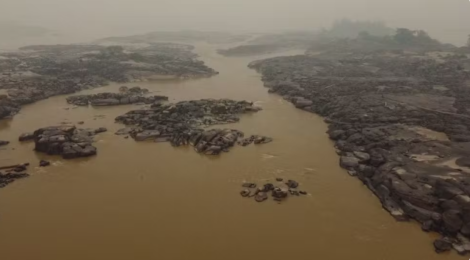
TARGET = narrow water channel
(152,201)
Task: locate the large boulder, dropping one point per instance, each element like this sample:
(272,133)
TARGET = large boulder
(363,157)
(442,245)
(349,162)
(452,221)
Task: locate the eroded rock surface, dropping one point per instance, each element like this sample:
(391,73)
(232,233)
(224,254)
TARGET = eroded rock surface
(11,173)
(37,72)
(278,192)
(126,96)
(401,124)
(183,123)
(68,141)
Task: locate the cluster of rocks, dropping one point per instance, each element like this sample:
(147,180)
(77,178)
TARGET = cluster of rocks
(11,173)
(126,96)
(278,192)
(401,124)
(14,172)
(38,72)
(68,141)
(256,139)
(183,123)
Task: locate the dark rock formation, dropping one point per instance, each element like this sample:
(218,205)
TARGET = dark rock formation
(44,163)
(400,123)
(278,192)
(182,124)
(256,139)
(38,72)
(3,143)
(442,245)
(12,173)
(68,141)
(261,196)
(129,96)
(26,137)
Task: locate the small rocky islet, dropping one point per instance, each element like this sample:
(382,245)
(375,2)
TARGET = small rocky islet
(186,122)
(67,141)
(126,96)
(279,191)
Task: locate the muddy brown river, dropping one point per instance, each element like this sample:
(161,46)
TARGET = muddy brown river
(152,201)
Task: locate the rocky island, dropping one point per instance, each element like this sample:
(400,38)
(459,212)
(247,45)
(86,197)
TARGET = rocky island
(126,96)
(183,123)
(68,141)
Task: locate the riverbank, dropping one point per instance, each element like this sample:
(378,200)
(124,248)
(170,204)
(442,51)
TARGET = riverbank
(399,123)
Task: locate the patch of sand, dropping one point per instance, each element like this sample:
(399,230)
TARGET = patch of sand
(430,134)
(451,164)
(424,157)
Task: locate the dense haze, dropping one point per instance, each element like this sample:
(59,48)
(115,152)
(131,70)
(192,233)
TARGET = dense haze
(447,20)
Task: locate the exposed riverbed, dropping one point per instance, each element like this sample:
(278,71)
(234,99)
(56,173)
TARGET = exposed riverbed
(148,201)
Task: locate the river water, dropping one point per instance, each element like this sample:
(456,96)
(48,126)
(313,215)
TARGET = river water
(152,201)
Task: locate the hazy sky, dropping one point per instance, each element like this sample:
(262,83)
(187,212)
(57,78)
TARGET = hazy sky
(109,17)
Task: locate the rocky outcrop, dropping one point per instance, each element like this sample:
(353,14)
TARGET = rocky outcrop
(26,137)
(279,191)
(126,96)
(400,124)
(38,72)
(12,173)
(182,124)
(68,141)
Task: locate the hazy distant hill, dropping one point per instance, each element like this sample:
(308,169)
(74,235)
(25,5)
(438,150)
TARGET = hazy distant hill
(178,36)
(14,30)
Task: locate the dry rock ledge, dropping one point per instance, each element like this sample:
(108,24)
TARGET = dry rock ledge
(400,123)
(183,123)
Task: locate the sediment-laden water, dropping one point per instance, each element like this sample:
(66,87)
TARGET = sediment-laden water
(152,201)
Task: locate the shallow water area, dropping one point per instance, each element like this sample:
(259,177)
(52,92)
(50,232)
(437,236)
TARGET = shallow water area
(149,200)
